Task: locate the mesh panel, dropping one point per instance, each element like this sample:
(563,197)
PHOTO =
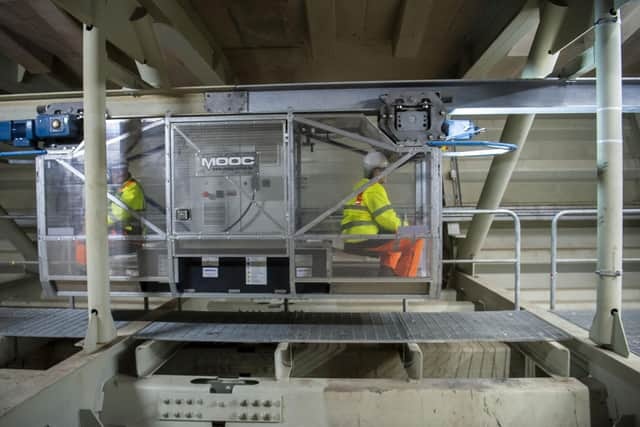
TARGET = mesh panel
(138,144)
(229,177)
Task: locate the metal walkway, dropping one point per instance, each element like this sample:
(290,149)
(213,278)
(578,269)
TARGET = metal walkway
(44,322)
(506,326)
(630,320)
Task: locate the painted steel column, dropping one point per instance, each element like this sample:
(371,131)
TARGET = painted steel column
(607,328)
(516,129)
(101,326)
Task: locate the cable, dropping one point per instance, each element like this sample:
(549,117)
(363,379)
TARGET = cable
(22,153)
(494,148)
(246,211)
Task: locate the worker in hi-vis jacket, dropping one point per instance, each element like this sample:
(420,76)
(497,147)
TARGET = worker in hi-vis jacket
(120,220)
(371,212)
(130,193)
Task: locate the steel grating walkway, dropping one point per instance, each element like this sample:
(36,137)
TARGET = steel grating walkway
(507,326)
(44,322)
(630,320)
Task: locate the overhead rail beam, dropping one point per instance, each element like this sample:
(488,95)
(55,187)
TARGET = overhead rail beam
(468,97)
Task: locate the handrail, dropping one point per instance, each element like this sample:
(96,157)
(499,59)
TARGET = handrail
(517,232)
(554,247)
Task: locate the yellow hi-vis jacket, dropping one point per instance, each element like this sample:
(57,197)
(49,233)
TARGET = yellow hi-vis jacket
(131,194)
(370,212)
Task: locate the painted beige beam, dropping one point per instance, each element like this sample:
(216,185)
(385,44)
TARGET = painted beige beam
(182,31)
(518,28)
(156,75)
(13,79)
(34,60)
(516,129)
(585,62)
(69,30)
(411,27)
(19,239)
(321,21)
(124,77)
(117,27)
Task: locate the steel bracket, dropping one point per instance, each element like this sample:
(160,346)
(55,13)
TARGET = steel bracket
(412,118)
(226,102)
(603,273)
(61,108)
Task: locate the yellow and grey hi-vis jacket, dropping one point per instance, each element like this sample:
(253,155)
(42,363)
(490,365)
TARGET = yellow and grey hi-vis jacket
(131,194)
(369,212)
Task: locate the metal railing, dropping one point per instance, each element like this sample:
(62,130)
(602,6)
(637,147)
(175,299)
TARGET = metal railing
(515,261)
(554,248)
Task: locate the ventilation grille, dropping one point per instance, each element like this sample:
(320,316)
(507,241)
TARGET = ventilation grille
(214,214)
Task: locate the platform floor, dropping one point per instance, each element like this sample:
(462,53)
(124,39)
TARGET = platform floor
(45,322)
(630,320)
(506,326)
(267,327)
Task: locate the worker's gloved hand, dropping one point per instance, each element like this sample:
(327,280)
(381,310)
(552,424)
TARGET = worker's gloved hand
(405,223)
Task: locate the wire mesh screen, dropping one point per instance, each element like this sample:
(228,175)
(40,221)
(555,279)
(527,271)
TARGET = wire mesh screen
(228,178)
(388,241)
(136,215)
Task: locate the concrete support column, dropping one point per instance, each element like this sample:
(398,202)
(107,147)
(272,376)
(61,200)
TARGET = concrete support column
(607,329)
(101,326)
(516,129)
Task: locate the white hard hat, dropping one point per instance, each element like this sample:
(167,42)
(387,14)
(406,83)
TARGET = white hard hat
(374,160)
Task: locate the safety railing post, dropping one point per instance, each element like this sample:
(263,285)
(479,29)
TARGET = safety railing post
(517,231)
(553,281)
